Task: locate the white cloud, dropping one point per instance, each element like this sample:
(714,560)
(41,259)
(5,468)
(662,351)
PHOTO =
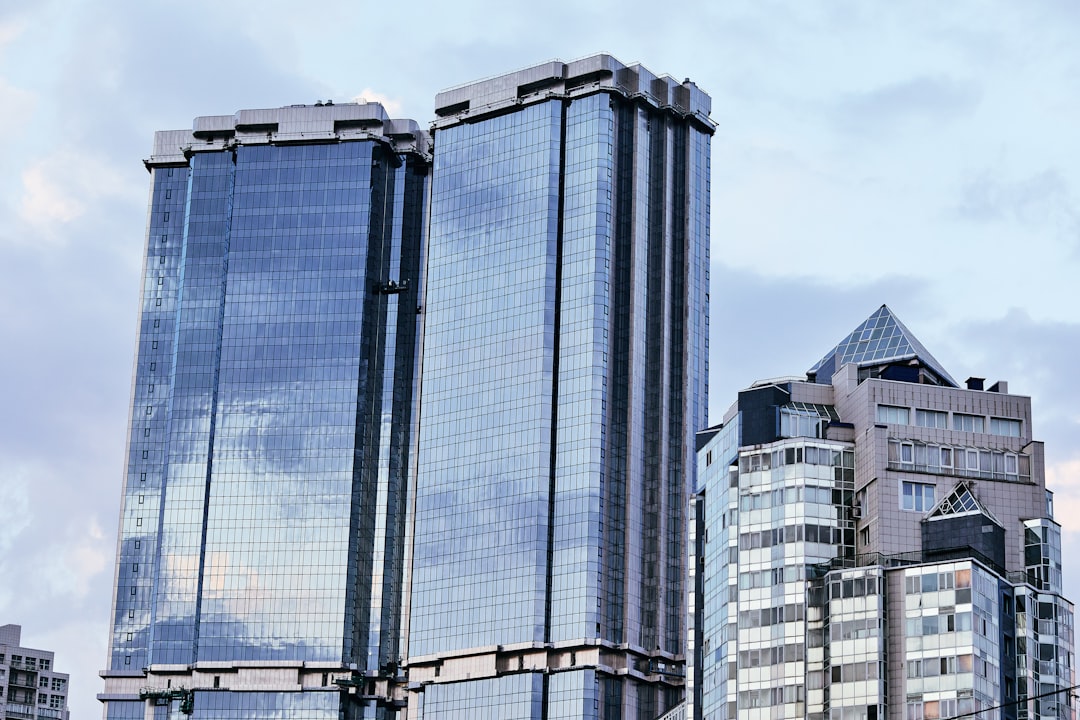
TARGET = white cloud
(10,30)
(70,567)
(392,105)
(14,506)
(61,188)
(45,199)
(18,106)
(15,517)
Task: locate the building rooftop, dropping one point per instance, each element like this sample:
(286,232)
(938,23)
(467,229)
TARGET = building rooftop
(295,124)
(878,341)
(556,78)
(10,634)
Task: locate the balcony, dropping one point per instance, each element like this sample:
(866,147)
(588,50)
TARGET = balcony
(23,679)
(17,710)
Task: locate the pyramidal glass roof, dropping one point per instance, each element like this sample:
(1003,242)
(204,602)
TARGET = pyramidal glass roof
(961,501)
(880,339)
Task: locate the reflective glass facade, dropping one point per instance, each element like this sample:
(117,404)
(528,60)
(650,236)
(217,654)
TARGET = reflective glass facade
(302,534)
(563,380)
(272,419)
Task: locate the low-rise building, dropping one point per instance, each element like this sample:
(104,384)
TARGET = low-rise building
(30,687)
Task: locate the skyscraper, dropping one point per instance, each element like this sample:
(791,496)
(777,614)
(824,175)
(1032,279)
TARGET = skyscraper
(272,414)
(564,378)
(874,541)
(303,536)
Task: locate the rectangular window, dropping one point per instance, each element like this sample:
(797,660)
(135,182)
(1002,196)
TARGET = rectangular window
(1005,426)
(917,497)
(893,415)
(946,457)
(931,419)
(968,423)
(800,424)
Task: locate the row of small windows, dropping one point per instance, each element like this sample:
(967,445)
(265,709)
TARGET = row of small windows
(896,415)
(792,533)
(936,624)
(772,696)
(788,496)
(28,663)
(935,709)
(934,581)
(855,629)
(856,672)
(764,617)
(773,576)
(932,667)
(923,457)
(795,652)
(854,587)
(801,424)
(794,455)
(54,701)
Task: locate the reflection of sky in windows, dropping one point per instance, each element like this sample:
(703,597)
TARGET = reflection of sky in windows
(879,339)
(146,451)
(482,490)
(282,352)
(485,468)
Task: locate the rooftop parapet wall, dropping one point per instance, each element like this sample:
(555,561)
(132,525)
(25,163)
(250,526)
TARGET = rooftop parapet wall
(580,77)
(289,125)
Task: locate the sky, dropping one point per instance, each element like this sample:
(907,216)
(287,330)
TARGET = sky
(920,154)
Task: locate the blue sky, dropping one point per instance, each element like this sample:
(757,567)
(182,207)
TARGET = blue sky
(921,154)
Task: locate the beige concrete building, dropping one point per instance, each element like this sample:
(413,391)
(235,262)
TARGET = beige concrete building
(875,540)
(30,687)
